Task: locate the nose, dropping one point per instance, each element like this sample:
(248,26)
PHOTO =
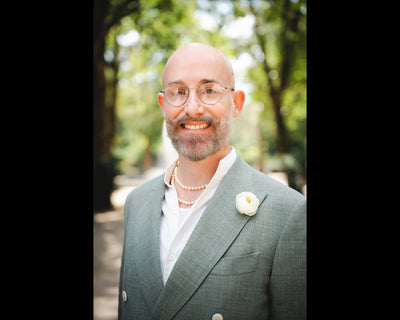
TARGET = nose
(193,106)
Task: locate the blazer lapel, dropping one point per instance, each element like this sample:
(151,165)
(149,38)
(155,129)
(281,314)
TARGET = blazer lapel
(147,239)
(219,226)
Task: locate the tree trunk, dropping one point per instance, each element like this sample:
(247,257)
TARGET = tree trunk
(278,86)
(105,15)
(283,143)
(102,160)
(148,158)
(260,147)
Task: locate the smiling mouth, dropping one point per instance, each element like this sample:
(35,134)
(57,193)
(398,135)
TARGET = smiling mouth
(197,126)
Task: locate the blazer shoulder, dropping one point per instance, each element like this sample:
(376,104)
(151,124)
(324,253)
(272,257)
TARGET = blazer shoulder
(281,204)
(278,193)
(143,191)
(262,183)
(273,187)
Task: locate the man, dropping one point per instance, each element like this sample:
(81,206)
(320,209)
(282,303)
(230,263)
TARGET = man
(212,238)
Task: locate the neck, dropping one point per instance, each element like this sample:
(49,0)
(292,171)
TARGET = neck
(194,173)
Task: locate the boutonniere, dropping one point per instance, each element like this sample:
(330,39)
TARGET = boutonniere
(247,203)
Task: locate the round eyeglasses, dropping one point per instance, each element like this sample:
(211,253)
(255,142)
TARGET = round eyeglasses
(209,93)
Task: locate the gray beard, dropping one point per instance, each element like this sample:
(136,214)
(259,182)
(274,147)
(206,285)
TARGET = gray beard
(199,147)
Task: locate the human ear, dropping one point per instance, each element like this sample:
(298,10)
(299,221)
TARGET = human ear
(160,98)
(238,100)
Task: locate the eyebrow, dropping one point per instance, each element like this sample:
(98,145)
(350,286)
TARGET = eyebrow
(202,81)
(175,82)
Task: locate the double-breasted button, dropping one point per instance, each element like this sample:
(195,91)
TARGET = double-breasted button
(171,257)
(124,296)
(217,316)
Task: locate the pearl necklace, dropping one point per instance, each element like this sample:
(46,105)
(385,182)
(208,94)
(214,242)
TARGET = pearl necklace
(175,175)
(175,178)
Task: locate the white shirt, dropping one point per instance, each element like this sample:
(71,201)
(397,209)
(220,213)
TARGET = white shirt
(177,224)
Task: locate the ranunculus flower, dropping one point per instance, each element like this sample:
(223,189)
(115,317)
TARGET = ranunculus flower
(247,203)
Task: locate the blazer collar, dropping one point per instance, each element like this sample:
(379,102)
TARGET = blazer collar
(219,226)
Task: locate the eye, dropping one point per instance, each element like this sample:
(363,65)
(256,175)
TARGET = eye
(209,89)
(177,91)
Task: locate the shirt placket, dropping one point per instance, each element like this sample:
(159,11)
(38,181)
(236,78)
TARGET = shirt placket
(173,226)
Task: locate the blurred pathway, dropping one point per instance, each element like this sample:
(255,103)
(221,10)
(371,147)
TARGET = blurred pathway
(108,239)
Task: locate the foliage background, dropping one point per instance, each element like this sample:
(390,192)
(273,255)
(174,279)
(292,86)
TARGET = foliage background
(266,43)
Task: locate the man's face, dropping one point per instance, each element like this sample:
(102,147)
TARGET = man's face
(198,130)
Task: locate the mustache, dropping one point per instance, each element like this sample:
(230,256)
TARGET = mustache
(203,118)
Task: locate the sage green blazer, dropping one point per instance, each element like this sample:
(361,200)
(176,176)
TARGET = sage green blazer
(233,267)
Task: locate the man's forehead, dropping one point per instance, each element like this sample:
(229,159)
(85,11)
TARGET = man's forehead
(207,62)
(197,49)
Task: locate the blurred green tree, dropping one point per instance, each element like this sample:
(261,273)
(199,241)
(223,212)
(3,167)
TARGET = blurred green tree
(280,31)
(152,21)
(132,41)
(159,31)
(106,14)
(278,81)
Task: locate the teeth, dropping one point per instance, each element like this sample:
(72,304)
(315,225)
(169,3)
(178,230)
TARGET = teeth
(196,127)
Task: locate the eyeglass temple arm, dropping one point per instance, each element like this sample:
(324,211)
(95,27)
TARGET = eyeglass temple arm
(163,91)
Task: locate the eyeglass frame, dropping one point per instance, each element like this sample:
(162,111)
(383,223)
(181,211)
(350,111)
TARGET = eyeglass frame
(198,95)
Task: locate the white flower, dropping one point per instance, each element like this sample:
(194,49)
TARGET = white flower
(247,203)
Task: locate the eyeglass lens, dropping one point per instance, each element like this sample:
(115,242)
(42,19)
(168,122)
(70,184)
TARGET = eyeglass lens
(209,93)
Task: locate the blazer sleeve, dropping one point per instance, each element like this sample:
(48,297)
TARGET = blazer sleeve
(288,275)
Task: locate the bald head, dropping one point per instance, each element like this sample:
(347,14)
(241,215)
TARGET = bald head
(198,60)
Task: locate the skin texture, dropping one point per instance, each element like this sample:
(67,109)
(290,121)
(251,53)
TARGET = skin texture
(200,150)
